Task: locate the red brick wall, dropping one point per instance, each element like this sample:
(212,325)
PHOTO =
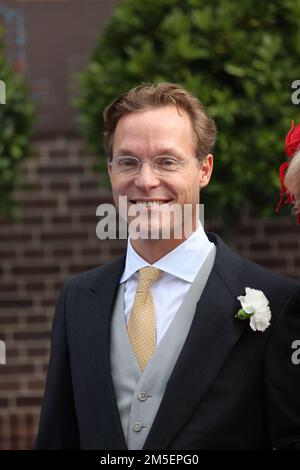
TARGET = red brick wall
(55,239)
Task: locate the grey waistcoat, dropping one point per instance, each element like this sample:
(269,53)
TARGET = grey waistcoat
(138,393)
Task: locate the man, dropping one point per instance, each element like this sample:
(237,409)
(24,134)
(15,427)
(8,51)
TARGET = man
(150,351)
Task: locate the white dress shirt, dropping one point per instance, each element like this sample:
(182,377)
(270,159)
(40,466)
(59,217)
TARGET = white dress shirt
(180,267)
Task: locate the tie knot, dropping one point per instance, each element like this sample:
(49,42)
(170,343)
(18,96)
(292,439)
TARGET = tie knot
(147,277)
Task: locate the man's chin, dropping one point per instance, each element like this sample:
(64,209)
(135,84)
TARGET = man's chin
(153,231)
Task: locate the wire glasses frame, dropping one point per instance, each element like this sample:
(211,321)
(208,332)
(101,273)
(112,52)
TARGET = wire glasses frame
(162,164)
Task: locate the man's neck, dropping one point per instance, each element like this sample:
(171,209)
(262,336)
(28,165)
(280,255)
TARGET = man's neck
(151,250)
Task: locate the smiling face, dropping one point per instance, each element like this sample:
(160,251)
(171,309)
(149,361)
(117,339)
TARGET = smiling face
(147,134)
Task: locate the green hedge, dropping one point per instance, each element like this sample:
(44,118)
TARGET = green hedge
(16,119)
(238,58)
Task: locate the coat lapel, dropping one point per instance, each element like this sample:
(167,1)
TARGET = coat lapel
(212,335)
(98,305)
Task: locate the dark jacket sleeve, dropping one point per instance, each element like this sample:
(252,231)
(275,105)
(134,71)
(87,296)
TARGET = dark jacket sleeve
(283,377)
(58,427)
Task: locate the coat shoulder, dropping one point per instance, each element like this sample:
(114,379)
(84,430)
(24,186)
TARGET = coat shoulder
(90,279)
(237,271)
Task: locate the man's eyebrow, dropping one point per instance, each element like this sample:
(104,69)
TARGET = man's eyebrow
(161,151)
(125,152)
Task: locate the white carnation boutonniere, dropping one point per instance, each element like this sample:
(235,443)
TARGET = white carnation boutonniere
(255,306)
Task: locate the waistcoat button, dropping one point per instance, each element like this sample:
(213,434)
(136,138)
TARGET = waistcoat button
(137,426)
(143,396)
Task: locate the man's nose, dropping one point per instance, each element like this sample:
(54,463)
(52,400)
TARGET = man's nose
(146,177)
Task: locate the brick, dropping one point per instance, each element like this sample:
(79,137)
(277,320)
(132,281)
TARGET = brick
(29,401)
(118,251)
(77,269)
(213,227)
(23,270)
(61,220)
(12,352)
(15,237)
(38,352)
(91,252)
(60,186)
(29,420)
(289,246)
(5,220)
(89,219)
(34,187)
(8,287)
(7,254)
(56,236)
(48,302)
(270,263)
(260,246)
(293,274)
(6,443)
(9,386)
(14,420)
(36,385)
(282,229)
(32,220)
(8,320)
(29,335)
(247,230)
(63,252)
(40,204)
(89,185)
(91,202)
(15,303)
(30,440)
(19,369)
(58,153)
(34,253)
(58,286)
(61,170)
(36,319)
(34,286)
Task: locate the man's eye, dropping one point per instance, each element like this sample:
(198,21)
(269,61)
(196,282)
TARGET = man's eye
(127,162)
(167,162)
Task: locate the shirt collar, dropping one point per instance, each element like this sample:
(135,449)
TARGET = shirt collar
(183,262)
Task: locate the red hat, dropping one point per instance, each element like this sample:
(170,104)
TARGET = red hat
(292,144)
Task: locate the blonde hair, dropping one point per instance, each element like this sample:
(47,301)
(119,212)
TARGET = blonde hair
(292,180)
(150,96)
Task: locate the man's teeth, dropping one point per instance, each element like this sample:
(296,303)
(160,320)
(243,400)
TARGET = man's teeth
(151,203)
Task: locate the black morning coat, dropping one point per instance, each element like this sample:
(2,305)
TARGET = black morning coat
(231,387)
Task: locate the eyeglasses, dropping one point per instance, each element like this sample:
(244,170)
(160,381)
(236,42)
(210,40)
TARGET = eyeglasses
(161,165)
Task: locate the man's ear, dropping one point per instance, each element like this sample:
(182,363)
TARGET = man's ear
(108,168)
(206,170)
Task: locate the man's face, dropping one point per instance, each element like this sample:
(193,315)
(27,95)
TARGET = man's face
(147,134)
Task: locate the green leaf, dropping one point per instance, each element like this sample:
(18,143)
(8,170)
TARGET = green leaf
(16,121)
(236,70)
(242,315)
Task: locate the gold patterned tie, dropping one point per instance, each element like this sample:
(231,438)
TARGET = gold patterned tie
(142,321)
